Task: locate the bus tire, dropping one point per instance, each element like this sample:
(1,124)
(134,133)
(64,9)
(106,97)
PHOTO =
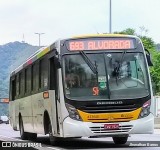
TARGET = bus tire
(24,135)
(32,136)
(120,140)
(53,139)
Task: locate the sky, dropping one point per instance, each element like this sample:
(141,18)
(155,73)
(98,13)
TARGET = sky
(21,19)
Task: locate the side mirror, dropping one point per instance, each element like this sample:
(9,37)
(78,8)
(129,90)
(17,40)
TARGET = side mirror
(149,59)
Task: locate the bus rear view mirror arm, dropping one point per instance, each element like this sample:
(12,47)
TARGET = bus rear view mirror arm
(57,62)
(149,59)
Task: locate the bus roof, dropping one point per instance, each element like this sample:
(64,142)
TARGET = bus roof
(102,35)
(39,53)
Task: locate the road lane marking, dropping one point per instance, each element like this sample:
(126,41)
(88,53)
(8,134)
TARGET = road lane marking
(54,148)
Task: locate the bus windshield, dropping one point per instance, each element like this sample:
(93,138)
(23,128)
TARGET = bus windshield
(120,75)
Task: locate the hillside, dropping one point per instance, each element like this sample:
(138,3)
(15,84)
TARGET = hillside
(11,56)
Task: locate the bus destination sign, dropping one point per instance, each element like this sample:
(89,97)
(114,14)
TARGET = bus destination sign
(100,44)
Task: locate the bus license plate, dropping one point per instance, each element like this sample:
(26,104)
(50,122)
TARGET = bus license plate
(111,126)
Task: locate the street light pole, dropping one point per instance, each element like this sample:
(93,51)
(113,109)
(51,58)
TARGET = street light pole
(39,37)
(110,16)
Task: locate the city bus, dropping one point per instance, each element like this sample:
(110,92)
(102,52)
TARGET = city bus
(84,86)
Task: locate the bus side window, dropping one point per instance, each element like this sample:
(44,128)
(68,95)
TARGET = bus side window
(13,89)
(34,76)
(25,81)
(21,84)
(40,72)
(36,71)
(28,80)
(17,86)
(52,74)
(44,74)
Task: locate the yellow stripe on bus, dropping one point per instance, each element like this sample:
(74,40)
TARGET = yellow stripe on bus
(100,35)
(43,52)
(110,117)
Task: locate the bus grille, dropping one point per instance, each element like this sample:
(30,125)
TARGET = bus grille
(122,128)
(105,109)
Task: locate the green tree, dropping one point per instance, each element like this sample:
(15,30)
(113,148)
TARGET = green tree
(148,43)
(155,72)
(128,31)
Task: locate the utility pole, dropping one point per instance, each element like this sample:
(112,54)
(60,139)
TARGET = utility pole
(110,16)
(23,40)
(39,37)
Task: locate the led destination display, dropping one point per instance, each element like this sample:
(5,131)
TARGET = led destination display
(100,44)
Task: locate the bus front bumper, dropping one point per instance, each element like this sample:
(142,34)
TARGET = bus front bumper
(73,128)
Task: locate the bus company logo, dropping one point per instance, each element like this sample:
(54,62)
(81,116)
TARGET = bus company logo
(110,103)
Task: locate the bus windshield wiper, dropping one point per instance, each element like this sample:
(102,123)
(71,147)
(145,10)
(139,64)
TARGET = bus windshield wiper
(119,64)
(92,66)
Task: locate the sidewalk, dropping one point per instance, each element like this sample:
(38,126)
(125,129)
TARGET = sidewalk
(156,131)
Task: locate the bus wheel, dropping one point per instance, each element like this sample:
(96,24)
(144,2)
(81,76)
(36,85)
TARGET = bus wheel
(32,136)
(120,140)
(53,139)
(24,135)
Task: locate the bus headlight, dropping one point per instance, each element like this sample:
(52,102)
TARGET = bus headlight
(73,113)
(145,109)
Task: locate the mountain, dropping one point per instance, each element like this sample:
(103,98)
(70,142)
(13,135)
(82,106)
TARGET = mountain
(11,56)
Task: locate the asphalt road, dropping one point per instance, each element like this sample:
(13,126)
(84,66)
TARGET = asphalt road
(135,141)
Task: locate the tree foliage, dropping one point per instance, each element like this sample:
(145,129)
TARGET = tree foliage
(149,44)
(128,31)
